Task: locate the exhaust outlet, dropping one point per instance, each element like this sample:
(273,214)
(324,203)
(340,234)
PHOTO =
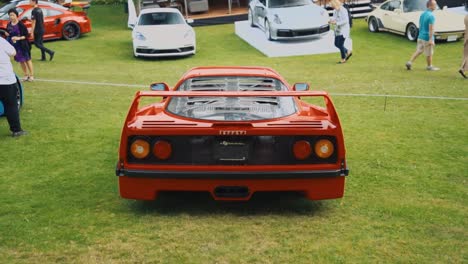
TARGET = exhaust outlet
(231,192)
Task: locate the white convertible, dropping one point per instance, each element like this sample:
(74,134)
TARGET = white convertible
(402,17)
(289,19)
(162,32)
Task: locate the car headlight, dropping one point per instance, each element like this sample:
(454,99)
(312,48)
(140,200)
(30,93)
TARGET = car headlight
(139,36)
(277,19)
(188,34)
(324,13)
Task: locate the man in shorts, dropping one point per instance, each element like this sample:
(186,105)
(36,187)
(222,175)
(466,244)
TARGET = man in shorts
(426,37)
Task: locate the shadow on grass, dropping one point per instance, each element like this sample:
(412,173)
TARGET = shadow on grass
(200,203)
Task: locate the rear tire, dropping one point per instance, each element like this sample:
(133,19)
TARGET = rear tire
(71,31)
(373,25)
(412,32)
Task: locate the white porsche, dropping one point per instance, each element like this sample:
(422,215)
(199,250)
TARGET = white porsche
(289,19)
(402,17)
(162,32)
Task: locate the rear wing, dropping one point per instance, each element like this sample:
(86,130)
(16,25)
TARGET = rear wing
(168,94)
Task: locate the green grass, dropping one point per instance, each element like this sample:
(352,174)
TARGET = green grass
(405,198)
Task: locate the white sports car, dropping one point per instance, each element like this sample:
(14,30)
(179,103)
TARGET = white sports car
(402,17)
(289,19)
(162,32)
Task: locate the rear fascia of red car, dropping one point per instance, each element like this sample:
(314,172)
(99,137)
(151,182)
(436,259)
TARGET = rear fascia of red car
(317,179)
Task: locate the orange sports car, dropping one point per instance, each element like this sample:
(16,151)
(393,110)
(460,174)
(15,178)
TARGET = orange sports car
(59,21)
(231,131)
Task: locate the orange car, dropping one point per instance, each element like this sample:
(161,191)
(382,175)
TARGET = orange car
(231,131)
(59,21)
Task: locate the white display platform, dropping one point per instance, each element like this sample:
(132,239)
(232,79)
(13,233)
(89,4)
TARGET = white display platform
(257,39)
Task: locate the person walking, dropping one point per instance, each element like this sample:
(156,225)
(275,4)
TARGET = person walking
(8,88)
(37,19)
(18,35)
(464,66)
(426,38)
(342,29)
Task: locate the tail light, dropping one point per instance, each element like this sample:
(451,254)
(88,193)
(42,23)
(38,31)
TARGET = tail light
(162,149)
(324,148)
(302,149)
(140,148)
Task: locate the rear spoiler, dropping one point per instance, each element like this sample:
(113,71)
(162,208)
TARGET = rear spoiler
(328,102)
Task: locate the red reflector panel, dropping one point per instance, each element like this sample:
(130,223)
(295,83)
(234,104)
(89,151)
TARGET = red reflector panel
(302,149)
(162,149)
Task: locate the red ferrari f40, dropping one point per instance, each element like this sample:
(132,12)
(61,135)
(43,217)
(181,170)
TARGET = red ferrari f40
(232,132)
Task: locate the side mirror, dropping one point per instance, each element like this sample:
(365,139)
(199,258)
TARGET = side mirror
(190,21)
(444,8)
(132,26)
(397,10)
(25,19)
(159,87)
(301,87)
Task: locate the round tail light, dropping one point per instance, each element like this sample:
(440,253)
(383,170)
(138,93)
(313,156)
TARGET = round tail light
(140,148)
(302,149)
(324,148)
(162,149)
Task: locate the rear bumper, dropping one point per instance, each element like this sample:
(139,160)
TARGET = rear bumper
(316,185)
(452,36)
(86,27)
(257,175)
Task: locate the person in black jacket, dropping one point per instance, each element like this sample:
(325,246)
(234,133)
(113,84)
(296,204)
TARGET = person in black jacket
(18,36)
(37,19)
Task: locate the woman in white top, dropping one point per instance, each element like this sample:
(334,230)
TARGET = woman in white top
(8,88)
(342,29)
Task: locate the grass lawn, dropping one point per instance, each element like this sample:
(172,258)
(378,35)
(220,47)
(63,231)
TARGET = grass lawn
(406,196)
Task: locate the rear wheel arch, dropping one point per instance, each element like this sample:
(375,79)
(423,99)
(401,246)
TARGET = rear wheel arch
(71,30)
(373,24)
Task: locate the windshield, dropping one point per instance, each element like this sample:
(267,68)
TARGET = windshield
(160,19)
(415,5)
(232,108)
(287,3)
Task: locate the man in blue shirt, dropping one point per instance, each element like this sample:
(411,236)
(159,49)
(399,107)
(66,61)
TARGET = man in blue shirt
(426,37)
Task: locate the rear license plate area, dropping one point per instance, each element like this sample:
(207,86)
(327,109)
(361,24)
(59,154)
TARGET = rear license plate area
(452,38)
(231,151)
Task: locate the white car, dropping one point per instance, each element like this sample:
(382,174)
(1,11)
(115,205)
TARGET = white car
(289,19)
(402,17)
(162,32)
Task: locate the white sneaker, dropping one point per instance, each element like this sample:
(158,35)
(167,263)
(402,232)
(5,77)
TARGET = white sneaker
(408,65)
(432,68)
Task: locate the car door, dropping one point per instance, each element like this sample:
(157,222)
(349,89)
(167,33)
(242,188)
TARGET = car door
(260,12)
(390,12)
(52,23)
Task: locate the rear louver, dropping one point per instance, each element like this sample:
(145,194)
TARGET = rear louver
(160,124)
(297,124)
